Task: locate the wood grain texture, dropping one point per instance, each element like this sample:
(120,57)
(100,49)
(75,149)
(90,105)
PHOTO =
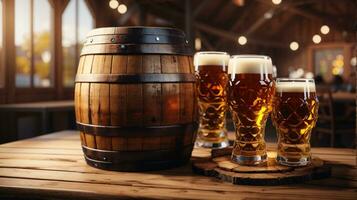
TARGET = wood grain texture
(271,173)
(52,167)
(136,105)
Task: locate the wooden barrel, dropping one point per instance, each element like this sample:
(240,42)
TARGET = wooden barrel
(135,98)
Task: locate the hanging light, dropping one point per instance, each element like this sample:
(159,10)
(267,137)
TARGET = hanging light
(198,44)
(294,46)
(239,3)
(242,40)
(354,61)
(276,2)
(316,38)
(268,15)
(113,4)
(325,29)
(122,9)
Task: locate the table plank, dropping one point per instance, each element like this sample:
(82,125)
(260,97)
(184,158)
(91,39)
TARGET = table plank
(52,166)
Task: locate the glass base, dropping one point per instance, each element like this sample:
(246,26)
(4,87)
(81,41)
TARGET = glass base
(303,161)
(249,160)
(212,145)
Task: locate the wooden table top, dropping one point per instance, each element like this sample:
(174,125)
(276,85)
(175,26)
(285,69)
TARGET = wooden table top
(52,166)
(39,106)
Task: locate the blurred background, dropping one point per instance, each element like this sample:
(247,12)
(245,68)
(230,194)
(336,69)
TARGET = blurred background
(40,43)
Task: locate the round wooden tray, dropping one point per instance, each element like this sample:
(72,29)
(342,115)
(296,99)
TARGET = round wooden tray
(217,163)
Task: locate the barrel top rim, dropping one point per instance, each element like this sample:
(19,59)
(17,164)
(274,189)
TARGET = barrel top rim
(141,29)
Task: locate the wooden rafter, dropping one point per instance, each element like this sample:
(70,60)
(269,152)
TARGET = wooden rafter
(312,14)
(176,16)
(200,7)
(238,22)
(134,7)
(233,37)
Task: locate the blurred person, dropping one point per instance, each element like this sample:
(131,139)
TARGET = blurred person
(337,83)
(319,80)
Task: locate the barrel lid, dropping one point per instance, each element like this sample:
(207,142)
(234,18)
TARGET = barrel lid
(136,40)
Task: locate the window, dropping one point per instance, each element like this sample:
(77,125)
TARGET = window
(329,62)
(33,41)
(2,71)
(77,21)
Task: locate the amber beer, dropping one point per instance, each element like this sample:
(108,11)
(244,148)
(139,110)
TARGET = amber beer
(294,115)
(212,81)
(251,90)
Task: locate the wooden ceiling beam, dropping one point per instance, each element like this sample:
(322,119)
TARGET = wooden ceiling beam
(238,22)
(273,11)
(293,7)
(200,7)
(233,36)
(123,19)
(176,16)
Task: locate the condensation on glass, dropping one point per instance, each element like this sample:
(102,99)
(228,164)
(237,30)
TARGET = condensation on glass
(77,21)
(33,42)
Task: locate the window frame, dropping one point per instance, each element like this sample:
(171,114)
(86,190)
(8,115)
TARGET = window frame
(347,49)
(3,87)
(32,88)
(69,89)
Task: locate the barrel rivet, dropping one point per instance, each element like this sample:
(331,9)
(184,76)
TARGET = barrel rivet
(91,40)
(122,46)
(112,40)
(104,158)
(157,38)
(186,41)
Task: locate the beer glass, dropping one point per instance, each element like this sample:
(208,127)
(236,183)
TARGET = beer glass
(294,115)
(251,91)
(212,80)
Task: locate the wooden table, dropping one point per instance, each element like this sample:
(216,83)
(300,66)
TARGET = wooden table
(52,166)
(44,108)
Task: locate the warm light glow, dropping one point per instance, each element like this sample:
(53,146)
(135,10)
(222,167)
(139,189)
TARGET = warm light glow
(268,15)
(198,44)
(325,29)
(239,3)
(309,75)
(337,65)
(294,46)
(354,61)
(242,40)
(276,2)
(122,9)
(113,4)
(316,39)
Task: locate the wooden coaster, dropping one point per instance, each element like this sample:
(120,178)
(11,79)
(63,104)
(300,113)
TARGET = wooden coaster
(217,163)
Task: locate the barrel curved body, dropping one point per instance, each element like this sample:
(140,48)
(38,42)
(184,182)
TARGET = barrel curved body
(135,99)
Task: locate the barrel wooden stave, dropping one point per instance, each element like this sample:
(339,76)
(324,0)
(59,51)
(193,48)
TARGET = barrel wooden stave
(143,105)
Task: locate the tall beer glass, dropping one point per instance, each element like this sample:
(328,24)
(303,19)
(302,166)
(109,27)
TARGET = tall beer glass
(294,115)
(251,90)
(212,80)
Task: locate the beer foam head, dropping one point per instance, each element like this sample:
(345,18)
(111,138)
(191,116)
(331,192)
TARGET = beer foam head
(211,58)
(295,85)
(250,64)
